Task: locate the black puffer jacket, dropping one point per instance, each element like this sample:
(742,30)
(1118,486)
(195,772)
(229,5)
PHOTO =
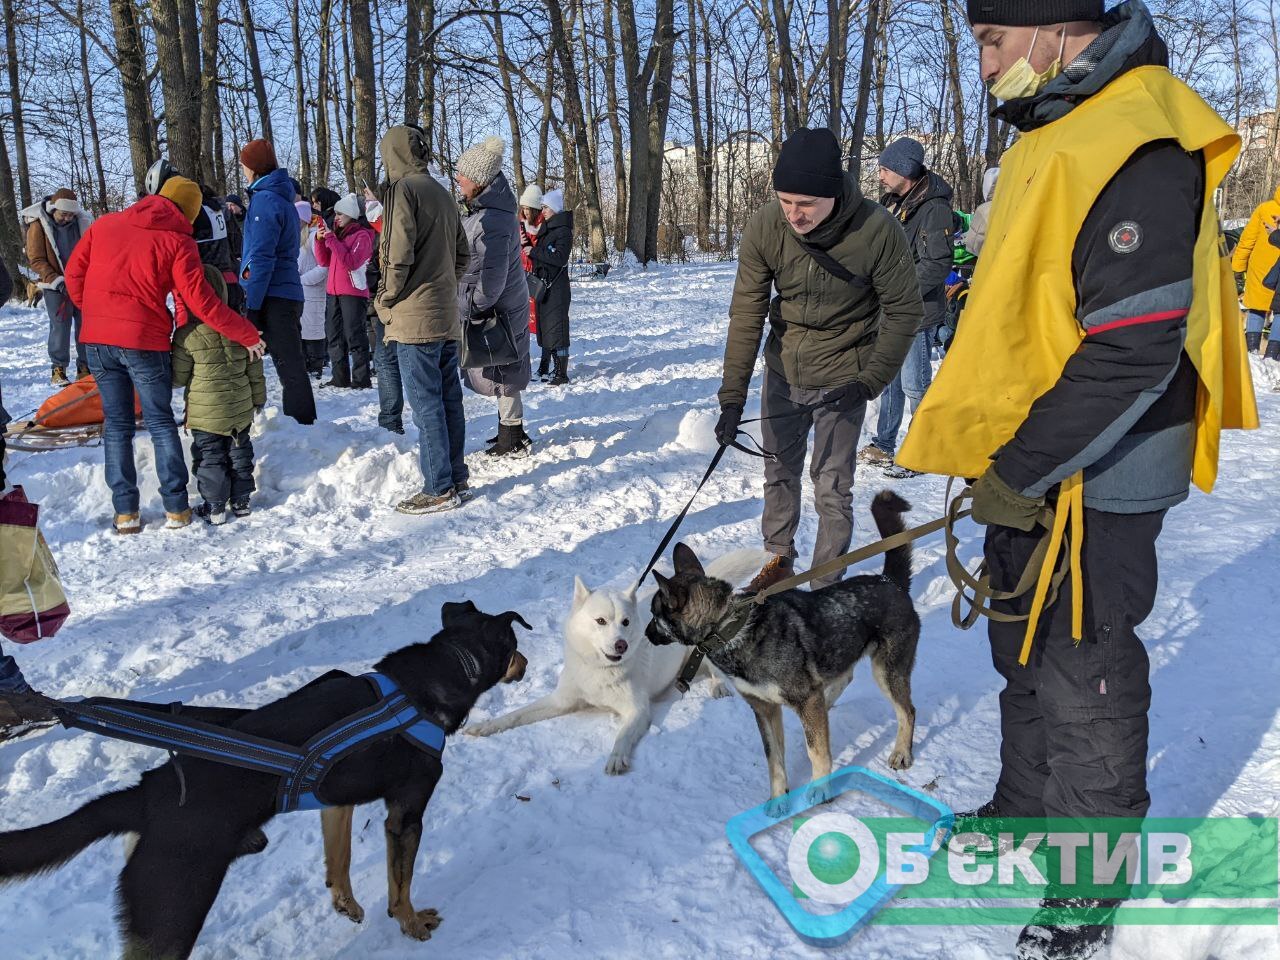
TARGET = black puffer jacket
(550,256)
(925,215)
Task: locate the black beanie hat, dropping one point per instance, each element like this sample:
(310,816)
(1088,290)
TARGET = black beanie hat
(1034,13)
(809,164)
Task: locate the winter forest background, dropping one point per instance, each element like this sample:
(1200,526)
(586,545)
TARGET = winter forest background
(659,117)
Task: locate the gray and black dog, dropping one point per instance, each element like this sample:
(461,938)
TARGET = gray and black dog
(799,647)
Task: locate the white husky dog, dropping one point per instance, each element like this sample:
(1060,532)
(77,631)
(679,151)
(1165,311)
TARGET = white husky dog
(609,665)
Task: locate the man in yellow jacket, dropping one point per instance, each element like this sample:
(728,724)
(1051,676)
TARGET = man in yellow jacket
(1100,357)
(1254,257)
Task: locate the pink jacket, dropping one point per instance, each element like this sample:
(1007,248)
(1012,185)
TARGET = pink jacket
(344,256)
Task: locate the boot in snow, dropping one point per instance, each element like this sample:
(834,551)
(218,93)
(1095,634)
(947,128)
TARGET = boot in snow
(512,441)
(421,503)
(562,370)
(1273,350)
(1253,342)
(544,365)
(1044,939)
(176,521)
(213,513)
(241,508)
(21,713)
(125,523)
(58,376)
(875,456)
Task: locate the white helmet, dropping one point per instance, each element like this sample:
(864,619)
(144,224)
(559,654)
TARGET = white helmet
(157,174)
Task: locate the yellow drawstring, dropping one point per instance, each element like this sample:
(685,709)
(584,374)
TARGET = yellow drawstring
(1070,507)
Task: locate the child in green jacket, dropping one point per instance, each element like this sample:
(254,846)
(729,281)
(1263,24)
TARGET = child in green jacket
(224,387)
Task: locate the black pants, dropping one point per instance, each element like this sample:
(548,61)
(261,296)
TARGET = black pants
(1073,721)
(281,324)
(223,466)
(345,328)
(315,351)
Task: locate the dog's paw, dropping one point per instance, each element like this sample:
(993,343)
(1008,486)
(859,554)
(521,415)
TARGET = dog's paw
(820,793)
(900,759)
(482,729)
(778,807)
(720,690)
(617,764)
(419,926)
(347,906)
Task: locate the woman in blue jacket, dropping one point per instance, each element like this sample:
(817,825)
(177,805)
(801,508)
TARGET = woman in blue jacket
(269,279)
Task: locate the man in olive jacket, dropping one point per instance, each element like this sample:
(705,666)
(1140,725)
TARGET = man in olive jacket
(845,307)
(423,252)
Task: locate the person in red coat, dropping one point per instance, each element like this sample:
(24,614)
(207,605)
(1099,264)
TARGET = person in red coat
(120,276)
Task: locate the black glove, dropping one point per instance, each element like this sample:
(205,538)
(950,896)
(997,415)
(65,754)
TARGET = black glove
(846,398)
(727,428)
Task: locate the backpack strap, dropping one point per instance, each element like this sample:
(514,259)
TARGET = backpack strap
(833,266)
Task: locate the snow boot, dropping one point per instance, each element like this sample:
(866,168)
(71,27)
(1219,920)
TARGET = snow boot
(241,508)
(778,568)
(176,521)
(82,371)
(875,456)
(58,376)
(1273,350)
(1053,935)
(1253,342)
(126,523)
(464,492)
(512,441)
(421,503)
(212,513)
(562,370)
(1001,836)
(544,366)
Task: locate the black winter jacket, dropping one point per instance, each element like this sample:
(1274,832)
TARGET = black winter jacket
(925,215)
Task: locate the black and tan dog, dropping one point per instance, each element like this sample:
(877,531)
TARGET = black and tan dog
(799,647)
(174,872)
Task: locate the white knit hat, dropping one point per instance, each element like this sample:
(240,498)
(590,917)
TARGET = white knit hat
(481,163)
(348,206)
(553,200)
(532,197)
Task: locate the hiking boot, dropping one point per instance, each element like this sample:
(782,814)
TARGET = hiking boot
(778,568)
(241,508)
(1273,350)
(562,371)
(176,521)
(875,456)
(421,503)
(1052,936)
(464,492)
(213,513)
(544,366)
(126,523)
(1253,342)
(512,442)
(998,828)
(58,376)
(896,472)
(82,371)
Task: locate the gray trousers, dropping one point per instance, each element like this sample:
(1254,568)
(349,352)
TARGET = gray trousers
(835,449)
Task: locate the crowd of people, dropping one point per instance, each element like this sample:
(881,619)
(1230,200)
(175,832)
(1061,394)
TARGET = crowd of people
(407,286)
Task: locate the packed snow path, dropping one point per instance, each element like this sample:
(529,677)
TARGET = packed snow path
(529,850)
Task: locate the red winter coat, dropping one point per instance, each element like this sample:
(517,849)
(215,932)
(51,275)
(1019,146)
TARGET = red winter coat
(127,264)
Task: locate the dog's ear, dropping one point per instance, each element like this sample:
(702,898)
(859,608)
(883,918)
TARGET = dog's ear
(663,583)
(451,612)
(630,595)
(580,592)
(512,617)
(686,561)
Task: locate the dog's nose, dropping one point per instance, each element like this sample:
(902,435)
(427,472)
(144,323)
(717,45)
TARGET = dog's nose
(620,647)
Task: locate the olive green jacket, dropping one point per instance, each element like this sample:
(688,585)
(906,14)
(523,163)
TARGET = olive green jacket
(823,332)
(223,386)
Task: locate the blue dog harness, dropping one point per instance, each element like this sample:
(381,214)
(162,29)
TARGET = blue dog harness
(301,769)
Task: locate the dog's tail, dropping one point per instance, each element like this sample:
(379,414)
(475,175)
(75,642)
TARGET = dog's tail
(24,853)
(887,508)
(738,566)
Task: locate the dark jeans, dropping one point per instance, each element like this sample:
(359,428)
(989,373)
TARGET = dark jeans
(11,678)
(119,372)
(1073,721)
(316,352)
(223,465)
(434,387)
(910,383)
(348,338)
(835,449)
(64,318)
(280,321)
(390,389)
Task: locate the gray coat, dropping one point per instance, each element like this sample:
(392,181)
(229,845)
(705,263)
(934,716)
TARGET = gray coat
(495,282)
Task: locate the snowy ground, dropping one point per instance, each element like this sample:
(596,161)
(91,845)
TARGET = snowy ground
(325,574)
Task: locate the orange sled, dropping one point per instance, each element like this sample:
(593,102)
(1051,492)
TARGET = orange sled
(72,417)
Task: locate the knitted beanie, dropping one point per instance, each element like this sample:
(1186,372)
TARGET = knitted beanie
(809,164)
(348,206)
(1034,13)
(905,157)
(532,197)
(259,156)
(553,200)
(481,163)
(185,194)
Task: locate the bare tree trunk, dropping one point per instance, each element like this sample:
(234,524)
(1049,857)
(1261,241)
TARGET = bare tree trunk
(210,110)
(134,85)
(544,128)
(964,184)
(775,81)
(615,128)
(701,160)
(428,70)
(255,70)
(15,102)
(786,67)
(12,248)
(189,24)
(365,136)
(324,150)
(412,60)
(300,97)
(585,163)
(100,176)
(508,96)
(859,132)
(182,135)
(838,14)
